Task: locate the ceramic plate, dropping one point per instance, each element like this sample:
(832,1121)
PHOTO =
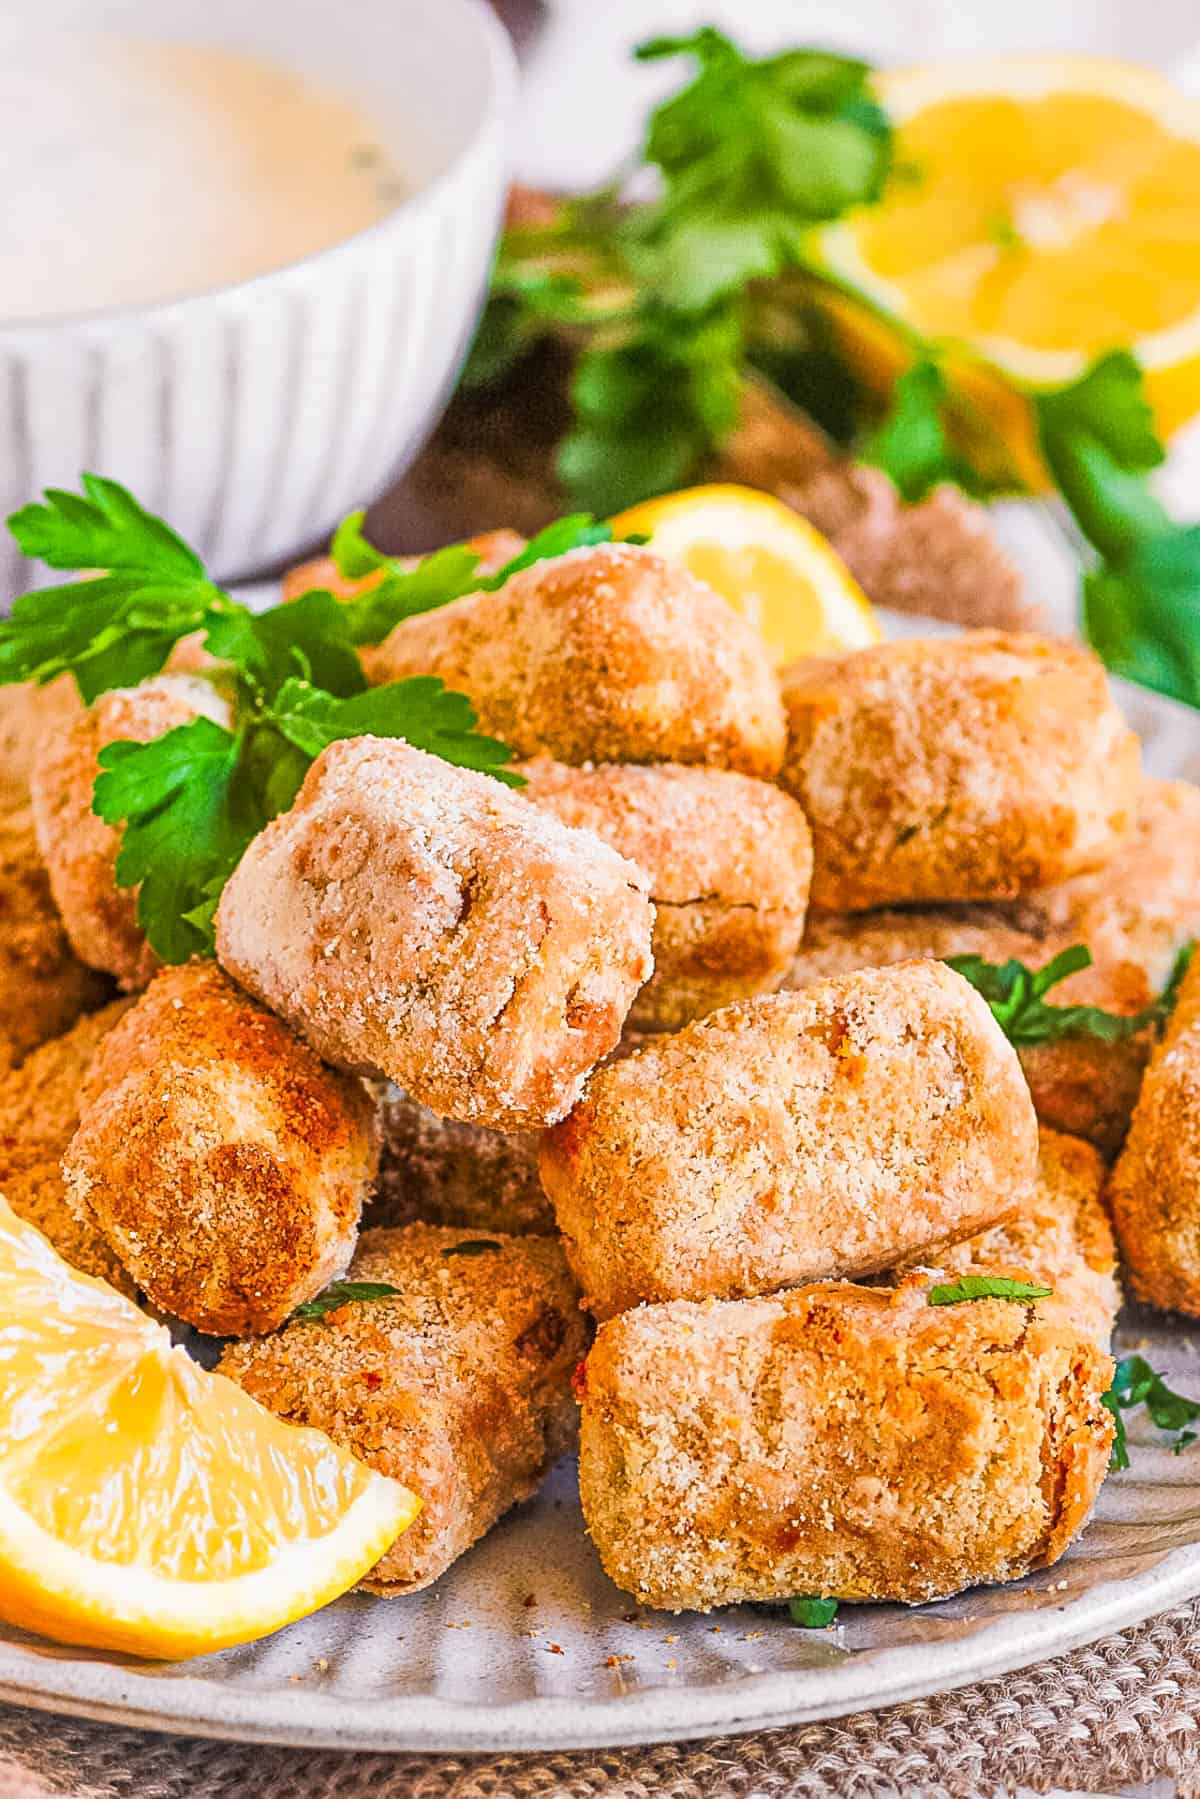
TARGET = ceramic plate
(526,1645)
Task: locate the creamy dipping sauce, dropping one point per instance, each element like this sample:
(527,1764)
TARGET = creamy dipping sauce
(134,171)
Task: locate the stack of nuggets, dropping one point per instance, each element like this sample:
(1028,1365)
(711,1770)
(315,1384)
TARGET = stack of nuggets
(746,1433)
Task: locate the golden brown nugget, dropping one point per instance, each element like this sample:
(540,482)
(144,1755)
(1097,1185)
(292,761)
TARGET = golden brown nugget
(839,1440)
(966,768)
(44,987)
(729,860)
(423,922)
(1080,1085)
(26,714)
(224,1164)
(608,654)
(836,1131)
(79,849)
(1061,1239)
(39,1110)
(1154,1189)
(463,1380)
(494,549)
(436,1171)
(1143,906)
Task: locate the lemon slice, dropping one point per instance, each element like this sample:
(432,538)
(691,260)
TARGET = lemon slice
(766,560)
(146,1505)
(1040,211)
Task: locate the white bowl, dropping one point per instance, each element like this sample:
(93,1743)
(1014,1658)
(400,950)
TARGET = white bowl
(254,416)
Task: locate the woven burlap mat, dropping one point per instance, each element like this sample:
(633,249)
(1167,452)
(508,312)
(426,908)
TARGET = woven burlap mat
(1122,1713)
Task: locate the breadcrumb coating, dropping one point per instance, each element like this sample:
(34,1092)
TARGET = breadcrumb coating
(460,1386)
(494,549)
(436,1171)
(729,860)
(224,1164)
(839,1440)
(1154,1189)
(39,1110)
(79,849)
(44,987)
(784,1139)
(608,654)
(967,768)
(26,714)
(423,922)
(1080,1085)
(1143,905)
(1061,1238)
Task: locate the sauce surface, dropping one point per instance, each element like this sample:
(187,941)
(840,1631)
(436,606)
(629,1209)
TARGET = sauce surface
(134,171)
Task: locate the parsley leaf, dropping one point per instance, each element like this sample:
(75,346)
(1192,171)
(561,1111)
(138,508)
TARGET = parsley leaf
(309,637)
(812,1613)
(344,1293)
(1016,995)
(112,629)
(912,445)
(751,154)
(1135,1383)
(1098,438)
(474,1246)
(188,817)
(985,1286)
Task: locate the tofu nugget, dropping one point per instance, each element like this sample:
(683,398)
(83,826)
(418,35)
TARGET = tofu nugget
(437,1171)
(1143,905)
(26,714)
(44,987)
(729,860)
(1154,1189)
(463,1381)
(79,849)
(224,1164)
(606,654)
(836,1131)
(974,767)
(1079,1084)
(39,1110)
(1061,1239)
(494,549)
(839,1440)
(422,921)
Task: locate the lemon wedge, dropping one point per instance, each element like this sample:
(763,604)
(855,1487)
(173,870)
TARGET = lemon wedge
(146,1505)
(1040,211)
(768,562)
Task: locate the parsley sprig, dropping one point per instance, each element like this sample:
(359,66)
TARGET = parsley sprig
(746,158)
(190,802)
(1017,997)
(1136,1383)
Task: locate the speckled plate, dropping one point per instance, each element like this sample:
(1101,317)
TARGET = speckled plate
(525,1644)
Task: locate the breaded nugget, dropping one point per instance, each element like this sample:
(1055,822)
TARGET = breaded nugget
(494,549)
(835,1131)
(1154,1189)
(26,714)
(460,1385)
(79,849)
(423,922)
(1060,1239)
(967,768)
(839,1440)
(224,1164)
(43,986)
(1143,905)
(729,860)
(607,654)
(39,1110)
(1080,1085)
(436,1171)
